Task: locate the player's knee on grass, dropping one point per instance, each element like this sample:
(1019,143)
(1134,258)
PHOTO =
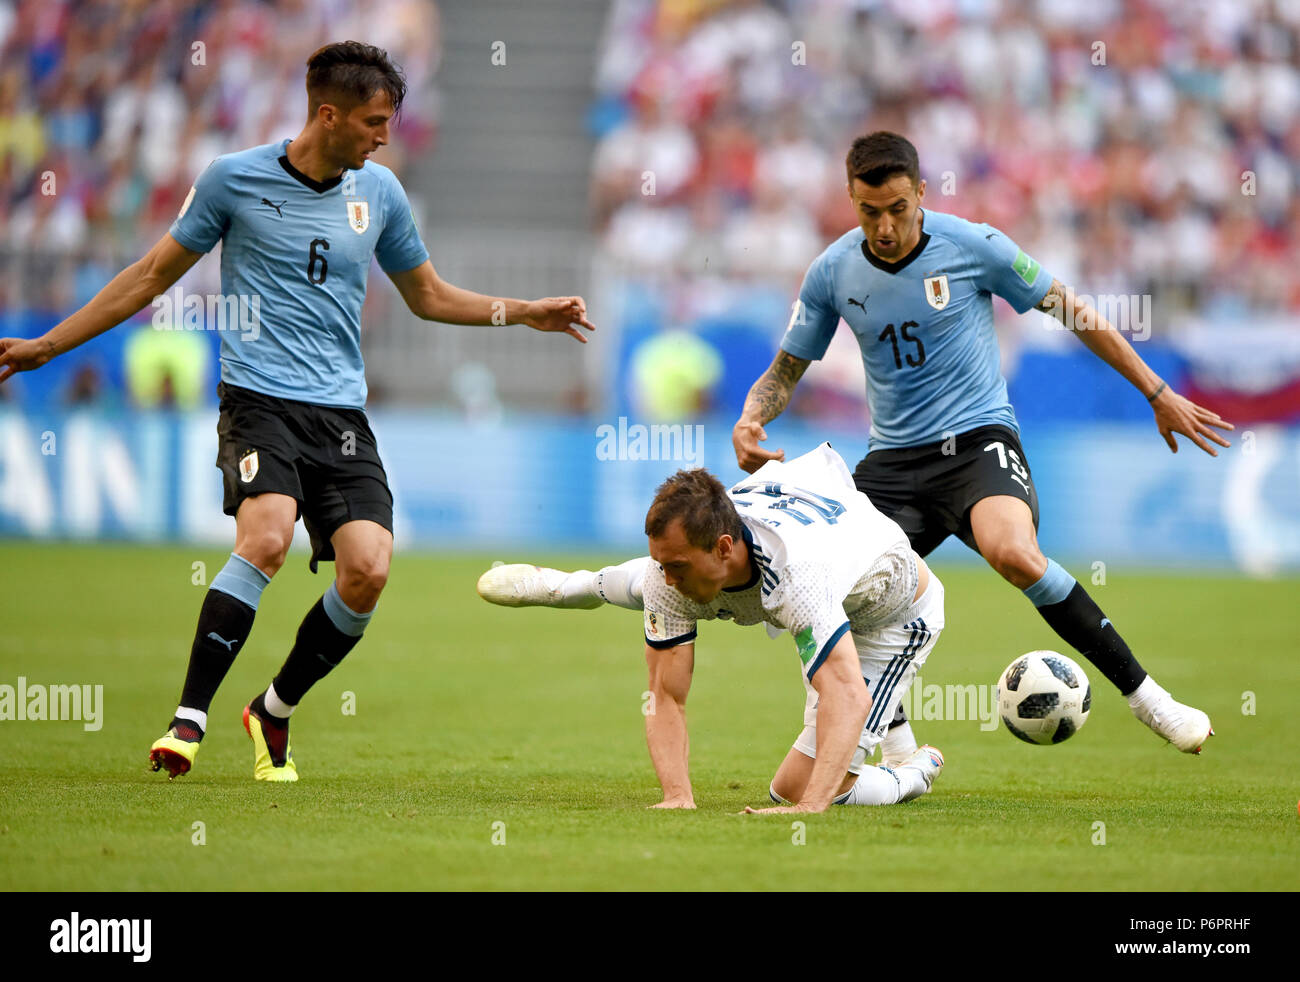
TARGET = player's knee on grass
(791,778)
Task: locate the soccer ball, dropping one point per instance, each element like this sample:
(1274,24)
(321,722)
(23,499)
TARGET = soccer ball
(1044,697)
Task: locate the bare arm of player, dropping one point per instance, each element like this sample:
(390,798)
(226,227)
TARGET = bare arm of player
(1174,414)
(766,401)
(665,721)
(434,299)
(125,295)
(843,704)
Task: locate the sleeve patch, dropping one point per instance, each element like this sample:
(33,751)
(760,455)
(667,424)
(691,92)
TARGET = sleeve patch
(1026,268)
(806,644)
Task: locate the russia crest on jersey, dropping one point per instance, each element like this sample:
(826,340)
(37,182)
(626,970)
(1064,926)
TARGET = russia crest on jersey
(936,291)
(248,466)
(359,216)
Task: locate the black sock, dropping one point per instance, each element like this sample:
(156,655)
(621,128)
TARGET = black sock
(224,623)
(319,648)
(275,731)
(186,729)
(1081,624)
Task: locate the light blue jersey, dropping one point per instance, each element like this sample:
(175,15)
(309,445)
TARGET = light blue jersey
(303,248)
(924,324)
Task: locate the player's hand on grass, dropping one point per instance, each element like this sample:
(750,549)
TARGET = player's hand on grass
(559,314)
(20,355)
(1175,414)
(782,810)
(745,437)
(675,803)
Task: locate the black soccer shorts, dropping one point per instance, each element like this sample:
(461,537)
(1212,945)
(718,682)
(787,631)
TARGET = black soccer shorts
(930,493)
(324,457)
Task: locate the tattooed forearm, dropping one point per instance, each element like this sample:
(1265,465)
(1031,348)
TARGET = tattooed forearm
(1057,301)
(771,393)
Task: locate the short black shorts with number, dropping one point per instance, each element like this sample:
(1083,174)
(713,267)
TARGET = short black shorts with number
(930,492)
(325,458)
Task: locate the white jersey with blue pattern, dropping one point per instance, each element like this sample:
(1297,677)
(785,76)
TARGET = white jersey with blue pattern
(824,562)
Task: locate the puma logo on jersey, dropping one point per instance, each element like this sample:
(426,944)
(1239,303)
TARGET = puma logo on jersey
(860,303)
(267,201)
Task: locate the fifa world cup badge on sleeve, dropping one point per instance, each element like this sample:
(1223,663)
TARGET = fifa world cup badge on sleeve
(653,626)
(248,466)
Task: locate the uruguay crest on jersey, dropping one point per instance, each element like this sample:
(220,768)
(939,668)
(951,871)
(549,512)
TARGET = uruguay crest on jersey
(359,216)
(936,291)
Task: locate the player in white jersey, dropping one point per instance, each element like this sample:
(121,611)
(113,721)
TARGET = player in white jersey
(799,548)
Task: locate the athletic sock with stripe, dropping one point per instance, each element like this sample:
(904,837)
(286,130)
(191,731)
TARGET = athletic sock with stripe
(1071,613)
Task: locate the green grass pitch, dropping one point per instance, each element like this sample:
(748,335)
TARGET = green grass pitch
(468,715)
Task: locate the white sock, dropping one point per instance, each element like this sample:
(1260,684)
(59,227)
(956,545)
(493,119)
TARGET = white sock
(577,590)
(874,786)
(911,783)
(899,743)
(621,585)
(1146,693)
(194,715)
(276,706)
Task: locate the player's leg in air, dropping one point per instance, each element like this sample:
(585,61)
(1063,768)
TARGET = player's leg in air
(264,530)
(978,487)
(522,585)
(890,660)
(1003,531)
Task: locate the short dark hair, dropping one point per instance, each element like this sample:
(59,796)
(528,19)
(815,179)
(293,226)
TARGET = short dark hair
(701,502)
(876,157)
(349,73)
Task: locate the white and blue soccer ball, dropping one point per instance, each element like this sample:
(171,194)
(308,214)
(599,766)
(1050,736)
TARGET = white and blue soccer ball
(1044,697)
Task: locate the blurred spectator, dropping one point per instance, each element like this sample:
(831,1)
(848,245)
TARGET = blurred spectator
(673,375)
(1114,136)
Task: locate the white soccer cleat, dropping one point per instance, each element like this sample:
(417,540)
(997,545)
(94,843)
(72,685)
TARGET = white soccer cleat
(1186,727)
(522,585)
(926,761)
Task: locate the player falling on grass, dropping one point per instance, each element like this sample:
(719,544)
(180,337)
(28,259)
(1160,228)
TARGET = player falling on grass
(299,222)
(916,287)
(799,548)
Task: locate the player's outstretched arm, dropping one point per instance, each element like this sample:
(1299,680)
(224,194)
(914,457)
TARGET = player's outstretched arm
(665,721)
(1174,414)
(125,295)
(766,401)
(434,299)
(843,704)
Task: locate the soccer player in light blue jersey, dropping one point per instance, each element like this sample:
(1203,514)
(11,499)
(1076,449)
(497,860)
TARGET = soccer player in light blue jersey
(916,289)
(299,222)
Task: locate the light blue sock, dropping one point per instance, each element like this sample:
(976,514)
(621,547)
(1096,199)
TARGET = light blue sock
(1052,587)
(347,620)
(242,580)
